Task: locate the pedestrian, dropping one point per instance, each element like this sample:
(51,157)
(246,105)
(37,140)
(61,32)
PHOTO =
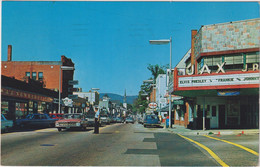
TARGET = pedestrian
(96,130)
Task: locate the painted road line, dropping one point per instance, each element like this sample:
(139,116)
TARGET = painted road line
(222,163)
(238,145)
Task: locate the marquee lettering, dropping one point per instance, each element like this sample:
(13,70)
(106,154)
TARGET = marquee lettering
(205,68)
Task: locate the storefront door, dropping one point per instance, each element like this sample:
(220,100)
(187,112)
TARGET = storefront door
(214,117)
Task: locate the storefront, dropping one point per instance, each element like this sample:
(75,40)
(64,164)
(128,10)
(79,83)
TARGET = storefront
(18,99)
(231,100)
(221,78)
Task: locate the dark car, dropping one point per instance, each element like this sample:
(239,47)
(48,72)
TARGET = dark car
(91,120)
(151,120)
(56,116)
(72,121)
(104,120)
(113,120)
(36,120)
(119,120)
(129,120)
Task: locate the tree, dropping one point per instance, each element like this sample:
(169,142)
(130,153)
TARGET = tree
(141,103)
(156,70)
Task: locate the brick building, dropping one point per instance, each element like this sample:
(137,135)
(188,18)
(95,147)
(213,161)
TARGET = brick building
(221,81)
(47,72)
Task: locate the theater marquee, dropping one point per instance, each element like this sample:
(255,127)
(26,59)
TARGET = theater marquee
(218,80)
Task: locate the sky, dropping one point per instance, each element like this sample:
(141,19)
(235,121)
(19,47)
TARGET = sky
(109,41)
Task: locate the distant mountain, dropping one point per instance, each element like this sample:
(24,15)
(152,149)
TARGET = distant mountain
(112,96)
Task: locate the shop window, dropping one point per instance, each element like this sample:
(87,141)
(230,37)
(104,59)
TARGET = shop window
(34,75)
(30,107)
(20,110)
(40,76)
(28,74)
(5,110)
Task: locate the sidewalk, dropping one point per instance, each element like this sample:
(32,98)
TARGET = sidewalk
(184,131)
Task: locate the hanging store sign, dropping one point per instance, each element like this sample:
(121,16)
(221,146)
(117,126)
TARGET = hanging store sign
(152,105)
(178,102)
(67,102)
(219,80)
(73,82)
(24,95)
(73,96)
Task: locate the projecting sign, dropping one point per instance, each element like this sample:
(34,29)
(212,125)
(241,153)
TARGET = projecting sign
(73,96)
(152,105)
(73,82)
(73,89)
(219,80)
(178,102)
(67,102)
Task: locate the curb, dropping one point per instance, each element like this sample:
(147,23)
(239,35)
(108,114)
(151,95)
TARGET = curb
(208,132)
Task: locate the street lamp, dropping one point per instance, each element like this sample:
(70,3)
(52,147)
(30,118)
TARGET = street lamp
(64,68)
(163,42)
(147,81)
(93,89)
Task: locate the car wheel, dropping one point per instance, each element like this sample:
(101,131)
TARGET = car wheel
(59,129)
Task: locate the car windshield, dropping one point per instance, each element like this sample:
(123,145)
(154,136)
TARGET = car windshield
(151,117)
(72,116)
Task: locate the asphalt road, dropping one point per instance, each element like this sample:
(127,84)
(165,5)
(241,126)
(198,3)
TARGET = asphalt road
(122,145)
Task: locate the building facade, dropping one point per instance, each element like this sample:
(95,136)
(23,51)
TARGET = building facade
(161,89)
(19,98)
(220,83)
(46,72)
(91,97)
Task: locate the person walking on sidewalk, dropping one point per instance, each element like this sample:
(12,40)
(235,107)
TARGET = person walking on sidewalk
(96,130)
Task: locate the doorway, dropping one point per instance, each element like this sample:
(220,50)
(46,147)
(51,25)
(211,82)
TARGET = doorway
(214,117)
(221,116)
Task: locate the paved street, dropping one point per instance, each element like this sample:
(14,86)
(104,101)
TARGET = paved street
(123,145)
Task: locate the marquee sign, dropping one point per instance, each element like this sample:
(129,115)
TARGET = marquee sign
(219,80)
(24,95)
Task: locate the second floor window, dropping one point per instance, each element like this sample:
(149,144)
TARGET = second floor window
(28,74)
(40,75)
(34,75)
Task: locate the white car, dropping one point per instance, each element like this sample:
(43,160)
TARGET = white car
(6,124)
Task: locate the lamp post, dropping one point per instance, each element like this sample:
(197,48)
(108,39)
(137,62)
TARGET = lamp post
(64,68)
(163,42)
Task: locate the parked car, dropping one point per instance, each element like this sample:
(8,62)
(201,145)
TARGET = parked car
(36,120)
(151,120)
(70,121)
(129,120)
(140,120)
(91,120)
(113,120)
(119,120)
(104,120)
(56,116)
(6,124)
